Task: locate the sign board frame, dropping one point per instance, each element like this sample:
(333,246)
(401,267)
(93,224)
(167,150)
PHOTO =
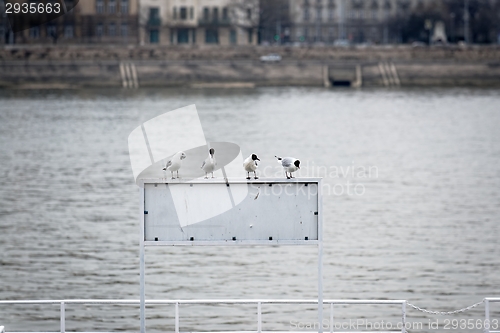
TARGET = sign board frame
(230,242)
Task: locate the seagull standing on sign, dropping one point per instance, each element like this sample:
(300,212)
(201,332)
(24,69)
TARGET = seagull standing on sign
(175,163)
(290,164)
(250,165)
(209,164)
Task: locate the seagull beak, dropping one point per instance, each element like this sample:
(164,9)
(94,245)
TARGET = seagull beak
(258,159)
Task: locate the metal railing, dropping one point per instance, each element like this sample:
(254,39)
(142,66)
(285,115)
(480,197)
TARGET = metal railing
(176,303)
(257,302)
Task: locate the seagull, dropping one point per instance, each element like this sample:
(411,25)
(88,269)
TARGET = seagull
(209,164)
(250,165)
(290,164)
(174,164)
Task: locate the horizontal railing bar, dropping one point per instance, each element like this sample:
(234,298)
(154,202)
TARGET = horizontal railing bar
(230,332)
(492,299)
(203,301)
(231,242)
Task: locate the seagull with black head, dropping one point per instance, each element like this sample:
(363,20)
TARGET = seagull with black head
(289,164)
(250,165)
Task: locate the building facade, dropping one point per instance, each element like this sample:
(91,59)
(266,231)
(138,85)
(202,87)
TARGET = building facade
(199,22)
(109,21)
(357,21)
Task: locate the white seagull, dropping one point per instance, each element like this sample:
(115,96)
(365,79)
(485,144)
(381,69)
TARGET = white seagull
(250,165)
(209,164)
(290,164)
(174,164)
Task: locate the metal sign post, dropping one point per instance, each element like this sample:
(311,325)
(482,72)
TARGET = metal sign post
(208,213)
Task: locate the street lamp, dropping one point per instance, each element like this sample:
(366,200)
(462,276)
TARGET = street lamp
(452,27)
(428,27)
(466,21)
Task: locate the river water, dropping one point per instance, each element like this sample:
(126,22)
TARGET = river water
(411,206)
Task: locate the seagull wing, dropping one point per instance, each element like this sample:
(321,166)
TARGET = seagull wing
(287,161)
(204,162)
(169,163)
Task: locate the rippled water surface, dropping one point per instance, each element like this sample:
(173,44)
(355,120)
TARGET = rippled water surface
(418,219)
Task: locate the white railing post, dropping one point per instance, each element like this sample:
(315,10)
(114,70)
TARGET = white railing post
(63,318)
(176,317)
(331,317)
(403,310)
(487,315)
(259,317)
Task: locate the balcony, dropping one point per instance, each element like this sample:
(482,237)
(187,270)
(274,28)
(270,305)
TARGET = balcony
(181,23)
(154,22)
(214,22)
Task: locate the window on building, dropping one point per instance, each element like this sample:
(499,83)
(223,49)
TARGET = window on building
(331,14)
(99,6)
(112,6)
(249,13)
(331,34)
(250,36)
(206,13)
(224,13)
(112,30)
(2,31)
(232,37)
(318,14)
(182,36)
(306,14)
(211,36)
(183,13)
(99,30)
(124,6)
(154,36)
(124,30)
(191,13)
(154,13)
(51,31)
(68,31)
(175,13)
(215,16)
(35,32)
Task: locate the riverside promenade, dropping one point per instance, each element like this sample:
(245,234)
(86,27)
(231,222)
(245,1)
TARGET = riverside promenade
(37,67)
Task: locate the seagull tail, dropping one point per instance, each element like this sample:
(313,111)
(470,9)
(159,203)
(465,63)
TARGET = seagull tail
(279,158)
(164,169)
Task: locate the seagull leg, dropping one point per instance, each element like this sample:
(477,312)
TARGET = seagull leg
(206,175)
(248,175)
(177,173)
(213,174)
(291,176)
(172,174)
(287,175)
(255,175)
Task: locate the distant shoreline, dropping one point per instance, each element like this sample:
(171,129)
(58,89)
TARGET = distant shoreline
(34,67)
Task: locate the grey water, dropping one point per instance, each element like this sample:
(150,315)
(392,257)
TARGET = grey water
(411,206)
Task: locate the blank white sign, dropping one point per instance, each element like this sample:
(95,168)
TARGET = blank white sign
(213,210)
